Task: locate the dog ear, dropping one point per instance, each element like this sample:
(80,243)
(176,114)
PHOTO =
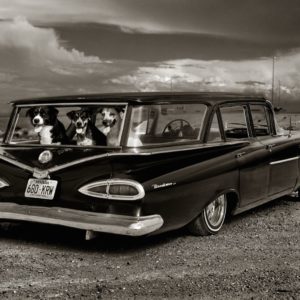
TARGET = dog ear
(121,111)
(71,115)
(53,111)
(30,112)
(91,113)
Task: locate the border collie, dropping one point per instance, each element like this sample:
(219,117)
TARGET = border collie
(49,129)
(87,134)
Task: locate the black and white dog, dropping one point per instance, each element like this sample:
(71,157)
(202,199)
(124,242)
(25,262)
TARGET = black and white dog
(87,134)
(47,126)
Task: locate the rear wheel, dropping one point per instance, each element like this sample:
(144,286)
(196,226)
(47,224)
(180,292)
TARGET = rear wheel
(211,219)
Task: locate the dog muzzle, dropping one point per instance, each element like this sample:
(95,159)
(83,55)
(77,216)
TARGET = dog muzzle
(79,130)
(109,124)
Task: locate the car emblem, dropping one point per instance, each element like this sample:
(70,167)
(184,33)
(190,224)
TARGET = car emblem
(45,157)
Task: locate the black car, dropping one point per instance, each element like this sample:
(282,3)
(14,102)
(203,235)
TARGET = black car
(143,163)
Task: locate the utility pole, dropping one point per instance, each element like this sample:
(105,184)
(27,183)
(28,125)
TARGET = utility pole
(273,79)
(279,92)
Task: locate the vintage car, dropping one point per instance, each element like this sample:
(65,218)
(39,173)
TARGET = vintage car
(143,163)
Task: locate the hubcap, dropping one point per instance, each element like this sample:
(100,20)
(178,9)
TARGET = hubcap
(215,211)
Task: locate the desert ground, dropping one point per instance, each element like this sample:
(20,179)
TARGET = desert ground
(255,256)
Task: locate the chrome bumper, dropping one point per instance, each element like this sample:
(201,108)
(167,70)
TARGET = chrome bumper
(98,222)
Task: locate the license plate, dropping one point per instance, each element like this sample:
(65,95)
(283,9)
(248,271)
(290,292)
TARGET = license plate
(41,188)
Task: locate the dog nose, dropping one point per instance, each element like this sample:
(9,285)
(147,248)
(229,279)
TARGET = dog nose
(36,121)
(78,124)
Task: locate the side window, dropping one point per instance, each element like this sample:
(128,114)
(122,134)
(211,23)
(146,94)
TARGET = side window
(235,122)
(165,123)
(260,120)
(214,132)
(180,121)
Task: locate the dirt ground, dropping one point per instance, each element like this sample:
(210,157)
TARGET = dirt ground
(256,256)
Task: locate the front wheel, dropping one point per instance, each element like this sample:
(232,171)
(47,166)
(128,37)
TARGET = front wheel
(211,219)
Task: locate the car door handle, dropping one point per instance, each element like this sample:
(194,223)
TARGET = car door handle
(240,154)
(270,147)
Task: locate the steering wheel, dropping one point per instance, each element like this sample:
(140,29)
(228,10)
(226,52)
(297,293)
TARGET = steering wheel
(175,127)
(237,133)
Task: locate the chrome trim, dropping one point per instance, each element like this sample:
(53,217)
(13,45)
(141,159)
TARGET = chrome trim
(99,222)
(277,162)
(66,165)
(3,183)
(111,182)
(45,157)
(199,146)
(40,174)
(82,160)
(16,163)
(71,104)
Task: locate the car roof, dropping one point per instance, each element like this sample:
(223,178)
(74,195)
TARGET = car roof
(145,97)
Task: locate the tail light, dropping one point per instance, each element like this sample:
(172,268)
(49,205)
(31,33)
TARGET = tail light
(115,189)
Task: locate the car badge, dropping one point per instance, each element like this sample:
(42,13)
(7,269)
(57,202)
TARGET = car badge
(45,157)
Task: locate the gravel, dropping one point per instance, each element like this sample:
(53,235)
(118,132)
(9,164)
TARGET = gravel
(255,256)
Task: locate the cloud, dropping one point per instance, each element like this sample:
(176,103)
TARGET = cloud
(216,75)
(216,17)
(41,44)
(35,62)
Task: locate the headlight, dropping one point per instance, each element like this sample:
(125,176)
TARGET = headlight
(115,189)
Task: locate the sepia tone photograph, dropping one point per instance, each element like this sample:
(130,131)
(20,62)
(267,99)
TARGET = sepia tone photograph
(150,149)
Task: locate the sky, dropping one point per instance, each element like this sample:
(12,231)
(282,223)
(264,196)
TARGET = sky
(58,47)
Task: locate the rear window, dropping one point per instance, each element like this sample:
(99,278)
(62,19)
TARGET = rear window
(165,123)
(81,125)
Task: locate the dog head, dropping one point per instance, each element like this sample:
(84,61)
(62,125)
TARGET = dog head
(111,115)
(42,116)
(80,118)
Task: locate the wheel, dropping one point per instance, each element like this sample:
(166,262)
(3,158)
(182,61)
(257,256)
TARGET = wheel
(211,219)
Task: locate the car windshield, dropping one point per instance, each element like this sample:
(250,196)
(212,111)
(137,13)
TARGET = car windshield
(165,123)
(81,125)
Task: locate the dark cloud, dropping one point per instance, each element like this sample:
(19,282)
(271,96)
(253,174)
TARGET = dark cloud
(109,42)
(171,29)
(275,20)
(250,82)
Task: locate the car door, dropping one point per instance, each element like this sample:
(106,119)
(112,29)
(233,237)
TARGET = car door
(282,151)
(252,160)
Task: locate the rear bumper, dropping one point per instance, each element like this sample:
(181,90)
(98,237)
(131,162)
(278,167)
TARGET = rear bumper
(98,222)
